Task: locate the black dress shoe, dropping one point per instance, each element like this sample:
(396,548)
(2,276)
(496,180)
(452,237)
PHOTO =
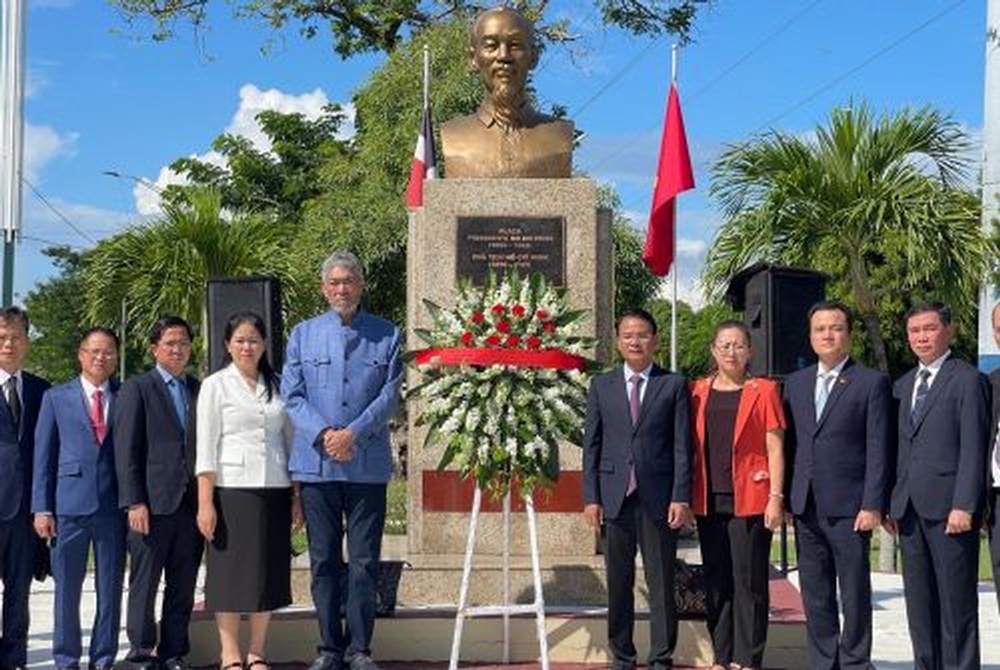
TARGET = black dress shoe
(362,662)
(327,662)
(176,663)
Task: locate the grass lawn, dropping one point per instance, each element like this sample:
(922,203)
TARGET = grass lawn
(985,567)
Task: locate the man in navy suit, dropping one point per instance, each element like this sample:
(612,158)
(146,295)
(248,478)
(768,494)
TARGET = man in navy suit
(20,398)
(75,498)
(993,467)
(937,502)
(154,434)
(637,482)
(839,437)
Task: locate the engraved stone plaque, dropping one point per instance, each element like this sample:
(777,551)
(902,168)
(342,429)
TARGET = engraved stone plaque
(500,243)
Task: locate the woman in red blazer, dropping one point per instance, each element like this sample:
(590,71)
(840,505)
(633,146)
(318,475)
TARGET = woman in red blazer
(736,497)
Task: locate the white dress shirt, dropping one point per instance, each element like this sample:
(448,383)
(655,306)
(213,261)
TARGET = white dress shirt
(629,373)
(830,376)
(934,367)
(242,437)
(88,391)
(995,460)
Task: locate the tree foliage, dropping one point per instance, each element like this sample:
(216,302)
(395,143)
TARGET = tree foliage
(874,201)
(358,26)
(57,317)
(279,180)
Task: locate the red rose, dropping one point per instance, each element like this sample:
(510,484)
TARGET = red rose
(498,309)
(534,342)
(542,315)
(504,327)
(478,317)
(513,341)
(518,310)
(467,338)
(493,340)
(549,326)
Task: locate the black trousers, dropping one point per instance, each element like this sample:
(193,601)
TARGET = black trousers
(635,527)
(17,562)
(994,531)
(832,554)
(735,554)
(172,549)
(940,575)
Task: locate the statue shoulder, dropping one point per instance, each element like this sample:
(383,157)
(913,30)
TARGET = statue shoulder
(459,126)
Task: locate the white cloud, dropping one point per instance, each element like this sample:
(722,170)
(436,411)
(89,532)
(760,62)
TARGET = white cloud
(41,223)
(244,123)
(34,82)
(41,145)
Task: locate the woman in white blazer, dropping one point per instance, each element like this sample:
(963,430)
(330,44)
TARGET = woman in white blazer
(246,502)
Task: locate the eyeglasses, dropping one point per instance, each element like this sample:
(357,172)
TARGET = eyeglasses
(732,348)
(100,353)
(182,344)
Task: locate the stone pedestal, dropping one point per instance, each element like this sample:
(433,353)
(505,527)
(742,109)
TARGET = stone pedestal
(439,502)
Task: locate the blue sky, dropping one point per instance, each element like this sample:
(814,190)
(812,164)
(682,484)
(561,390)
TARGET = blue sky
(101,99)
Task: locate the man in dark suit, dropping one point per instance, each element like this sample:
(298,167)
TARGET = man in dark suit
(937,502)
(75,497)
(154,437)
(20,398)
(637,482)
(993,467)
(840,416)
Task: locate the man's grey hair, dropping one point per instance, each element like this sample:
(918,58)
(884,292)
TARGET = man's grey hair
(342,259)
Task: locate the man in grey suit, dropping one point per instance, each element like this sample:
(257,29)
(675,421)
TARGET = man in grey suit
(993,468)
(637,482)
(937,502)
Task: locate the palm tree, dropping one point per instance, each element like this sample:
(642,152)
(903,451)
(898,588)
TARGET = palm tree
(864,197)
(848,199)
(162,267)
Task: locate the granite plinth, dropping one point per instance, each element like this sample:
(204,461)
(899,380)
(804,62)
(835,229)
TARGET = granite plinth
(432,273)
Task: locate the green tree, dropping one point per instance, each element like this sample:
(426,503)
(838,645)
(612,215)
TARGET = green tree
(162,267)
(357,26)
(280,180)
(57,317)
(873,201)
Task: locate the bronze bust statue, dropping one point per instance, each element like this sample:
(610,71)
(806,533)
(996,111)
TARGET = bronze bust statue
(506,137)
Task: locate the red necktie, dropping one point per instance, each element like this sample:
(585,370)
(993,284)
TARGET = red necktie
(97,416)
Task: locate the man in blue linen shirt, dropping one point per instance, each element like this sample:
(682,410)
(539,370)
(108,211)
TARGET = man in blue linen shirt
(341,386)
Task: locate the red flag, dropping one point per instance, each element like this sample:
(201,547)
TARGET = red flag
(423,163)
(673,176)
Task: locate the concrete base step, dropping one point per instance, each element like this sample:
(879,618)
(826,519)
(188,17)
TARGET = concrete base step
(575,635)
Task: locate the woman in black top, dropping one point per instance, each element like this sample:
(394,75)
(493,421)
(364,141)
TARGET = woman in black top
(738,464)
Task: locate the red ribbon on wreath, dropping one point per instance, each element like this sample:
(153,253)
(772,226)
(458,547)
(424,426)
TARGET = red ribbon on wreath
(550,359)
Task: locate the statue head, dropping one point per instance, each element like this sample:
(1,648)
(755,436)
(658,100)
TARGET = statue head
(503,51)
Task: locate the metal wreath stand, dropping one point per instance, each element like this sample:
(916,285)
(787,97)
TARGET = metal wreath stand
(505,609)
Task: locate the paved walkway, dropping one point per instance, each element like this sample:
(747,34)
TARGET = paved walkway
(892,641)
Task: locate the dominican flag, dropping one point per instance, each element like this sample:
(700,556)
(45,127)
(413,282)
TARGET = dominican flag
(673,176)
(423,163)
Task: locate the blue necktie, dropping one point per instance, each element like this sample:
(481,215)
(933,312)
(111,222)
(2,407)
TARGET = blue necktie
(923,388)
(822,392)
(179,397)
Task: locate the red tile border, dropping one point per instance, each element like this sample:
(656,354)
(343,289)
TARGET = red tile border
(445,491)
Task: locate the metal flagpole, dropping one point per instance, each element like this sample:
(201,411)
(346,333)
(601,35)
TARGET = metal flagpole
(427,75)
(673,270)
(11,136)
